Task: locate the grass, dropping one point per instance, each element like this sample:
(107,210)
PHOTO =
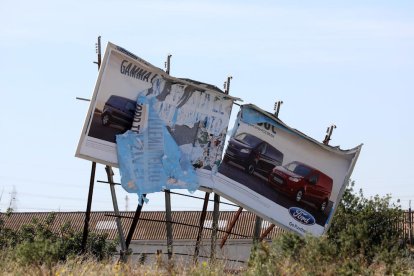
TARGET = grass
(89,266)
(267,260)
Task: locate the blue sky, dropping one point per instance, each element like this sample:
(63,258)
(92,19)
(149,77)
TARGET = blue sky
(345,62)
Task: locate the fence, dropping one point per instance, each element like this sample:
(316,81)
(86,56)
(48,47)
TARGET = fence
(407,226)
(152,224)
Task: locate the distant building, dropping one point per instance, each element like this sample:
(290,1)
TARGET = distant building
(150,234)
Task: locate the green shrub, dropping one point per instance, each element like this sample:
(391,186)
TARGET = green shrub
(363,240)
(36,243)
(366,227)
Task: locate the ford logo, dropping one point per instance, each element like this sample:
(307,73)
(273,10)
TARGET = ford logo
(301,215)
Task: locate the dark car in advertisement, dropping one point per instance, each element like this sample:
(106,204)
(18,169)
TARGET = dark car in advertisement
(118,111)
(302,182)
(254,154)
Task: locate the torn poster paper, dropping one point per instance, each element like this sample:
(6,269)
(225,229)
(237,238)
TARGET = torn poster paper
(150,160)
(194,115)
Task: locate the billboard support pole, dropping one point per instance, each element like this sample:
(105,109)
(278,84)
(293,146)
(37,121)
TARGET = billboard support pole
(200,226)
(216,214)
(88,208)
(110,174)
(257,229)
(134,223)
(230,227)
(93,170)
(168,219)
(256,232)
(167,194)
(266,232)
(216,209)
(410,225)
(137,214)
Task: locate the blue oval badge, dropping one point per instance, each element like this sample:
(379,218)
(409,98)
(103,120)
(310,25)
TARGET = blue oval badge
(301,215)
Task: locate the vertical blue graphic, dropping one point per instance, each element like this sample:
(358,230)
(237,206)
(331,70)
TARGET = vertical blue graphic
(151,160)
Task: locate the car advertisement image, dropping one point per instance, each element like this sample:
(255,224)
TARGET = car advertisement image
(281,174)
(115,118)
(180,124)
(253,154)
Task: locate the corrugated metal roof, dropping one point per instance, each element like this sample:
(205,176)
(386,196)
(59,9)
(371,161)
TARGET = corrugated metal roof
(151,225)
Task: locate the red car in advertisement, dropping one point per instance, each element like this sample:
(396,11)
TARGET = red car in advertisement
(302,182)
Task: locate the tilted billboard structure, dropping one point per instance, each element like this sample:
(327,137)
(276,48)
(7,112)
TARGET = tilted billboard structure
(281,174)
(182,124)
(180,127)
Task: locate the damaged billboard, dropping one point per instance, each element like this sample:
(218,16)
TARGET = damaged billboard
(281,174)
(180,124)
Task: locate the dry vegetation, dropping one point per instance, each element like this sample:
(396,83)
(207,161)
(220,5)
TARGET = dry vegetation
(363,240)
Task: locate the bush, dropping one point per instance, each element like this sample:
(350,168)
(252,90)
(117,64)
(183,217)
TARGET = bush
(363,239)
(36,243)
(366,227)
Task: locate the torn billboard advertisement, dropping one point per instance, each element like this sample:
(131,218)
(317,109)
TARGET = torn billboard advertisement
(281,174)
(182,123)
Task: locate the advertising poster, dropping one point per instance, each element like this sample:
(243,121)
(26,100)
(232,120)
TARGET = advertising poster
(183,122)
(281,174)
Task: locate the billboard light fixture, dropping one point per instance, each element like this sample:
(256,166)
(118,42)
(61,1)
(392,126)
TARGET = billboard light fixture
(328,135)
(226,85)
(83,99)
(276,108)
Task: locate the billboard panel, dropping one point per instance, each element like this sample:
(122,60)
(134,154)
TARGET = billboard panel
(281,174)
(193,116)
